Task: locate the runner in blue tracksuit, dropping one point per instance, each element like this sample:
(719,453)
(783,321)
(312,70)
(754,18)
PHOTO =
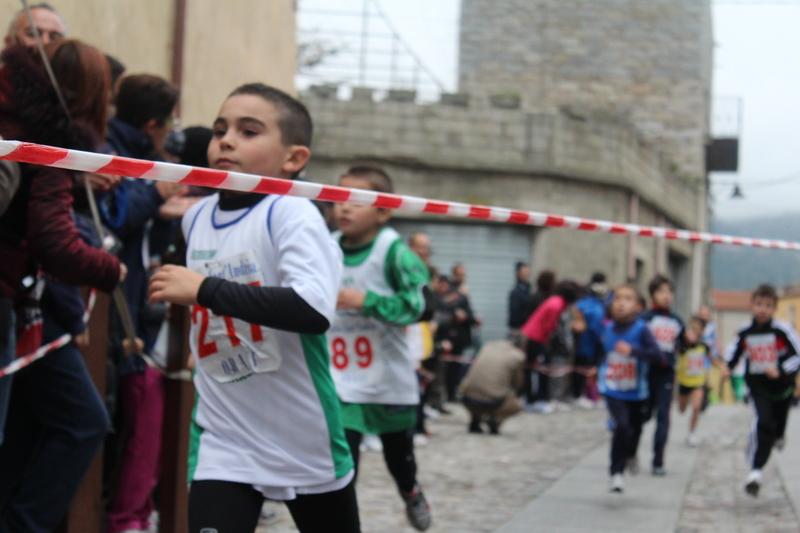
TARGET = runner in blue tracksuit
(667,328)
(630,349)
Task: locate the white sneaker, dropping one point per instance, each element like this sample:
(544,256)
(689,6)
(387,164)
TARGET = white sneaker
(779,444)
(584,403)
(617,483)
(371,443)
(430,412)
(692,440)
(269,514)
(543,407)
(753,482)
(561,407)
(420,440)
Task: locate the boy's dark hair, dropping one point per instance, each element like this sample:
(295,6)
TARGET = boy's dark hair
(117,69)
(657,282)
(597,277)
(294,120)
(546,281)
(519,266)
(377,178)
(765,291)
(700,320)
(569,290)
(144,97)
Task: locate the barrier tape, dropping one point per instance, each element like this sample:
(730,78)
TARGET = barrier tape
(122,166)
(21,362)
(553,371)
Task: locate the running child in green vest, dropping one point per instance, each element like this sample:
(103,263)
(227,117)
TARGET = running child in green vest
(384,288)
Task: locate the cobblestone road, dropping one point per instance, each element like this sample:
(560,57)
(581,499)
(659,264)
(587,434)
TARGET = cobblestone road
(477,483)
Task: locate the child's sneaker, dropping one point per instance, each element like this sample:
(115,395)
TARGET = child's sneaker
(584,403)
(371,443)
(779,444)
(632,466)
(659,471)
(417,509)
(753,483)
(617,483)
(692,440)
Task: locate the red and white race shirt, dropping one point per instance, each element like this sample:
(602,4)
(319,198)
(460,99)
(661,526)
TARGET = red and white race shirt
(621,372)
(762,351)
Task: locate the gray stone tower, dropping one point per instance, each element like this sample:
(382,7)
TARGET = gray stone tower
(644,62)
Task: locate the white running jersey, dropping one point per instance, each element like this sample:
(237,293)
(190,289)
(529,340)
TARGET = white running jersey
(371,361)
(266,412)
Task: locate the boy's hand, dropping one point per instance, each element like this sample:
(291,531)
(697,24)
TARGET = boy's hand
(772,372)
(130,350)
(350,299)
(623,348)
(175,284)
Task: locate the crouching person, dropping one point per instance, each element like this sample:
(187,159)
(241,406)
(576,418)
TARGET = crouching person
(491,385)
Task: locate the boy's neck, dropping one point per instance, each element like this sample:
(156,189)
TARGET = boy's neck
(362,238)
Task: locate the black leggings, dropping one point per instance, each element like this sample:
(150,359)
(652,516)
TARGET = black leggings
(228,507)
(398,452)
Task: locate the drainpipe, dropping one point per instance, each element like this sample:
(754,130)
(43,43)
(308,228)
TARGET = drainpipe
(661,248)
(633,219)
(178,37)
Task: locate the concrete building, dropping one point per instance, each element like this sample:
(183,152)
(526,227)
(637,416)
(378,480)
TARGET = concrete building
(205,47)
(591,108)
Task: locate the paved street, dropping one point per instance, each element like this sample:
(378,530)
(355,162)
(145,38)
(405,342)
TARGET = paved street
(549,473)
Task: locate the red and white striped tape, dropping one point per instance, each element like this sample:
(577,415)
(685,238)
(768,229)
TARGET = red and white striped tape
(219,179)
(21,362)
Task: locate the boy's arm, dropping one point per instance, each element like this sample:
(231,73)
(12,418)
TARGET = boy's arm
(789,362)
(411,301)
(735,351)
(274,307)
(649,350)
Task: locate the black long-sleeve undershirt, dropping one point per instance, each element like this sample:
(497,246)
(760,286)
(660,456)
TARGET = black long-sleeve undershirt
(274,307)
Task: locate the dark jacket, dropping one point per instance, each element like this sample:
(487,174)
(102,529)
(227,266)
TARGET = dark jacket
(37,229)
(128,210)
(519,302)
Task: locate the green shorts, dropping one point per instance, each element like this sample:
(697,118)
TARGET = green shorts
(377,418)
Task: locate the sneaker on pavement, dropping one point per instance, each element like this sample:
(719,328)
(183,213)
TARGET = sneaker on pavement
(420,440)
(617,483)
(371,443)
(779,444)
(659,471)
(692,440)
(753,483)
(584,403)
(475,427)
(494,427)
(269,514)
(632,466)
(417,510)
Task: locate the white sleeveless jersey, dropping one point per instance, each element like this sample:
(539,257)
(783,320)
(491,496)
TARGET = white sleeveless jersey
(267,412)
(371,361)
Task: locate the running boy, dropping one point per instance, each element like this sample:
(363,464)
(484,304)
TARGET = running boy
(666,327)
(692,359)
(771,350)
(629,349)
(384,288)
(262,282)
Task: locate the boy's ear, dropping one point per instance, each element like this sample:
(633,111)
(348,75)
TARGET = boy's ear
(296,158)
(384,215)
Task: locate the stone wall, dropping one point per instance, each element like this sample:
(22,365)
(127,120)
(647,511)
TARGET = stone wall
(535,155)
(645,61)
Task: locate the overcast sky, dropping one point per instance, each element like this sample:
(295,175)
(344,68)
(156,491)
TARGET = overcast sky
(755,58)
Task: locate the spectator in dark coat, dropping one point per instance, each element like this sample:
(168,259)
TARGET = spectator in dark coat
(519,303)
(57,420)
